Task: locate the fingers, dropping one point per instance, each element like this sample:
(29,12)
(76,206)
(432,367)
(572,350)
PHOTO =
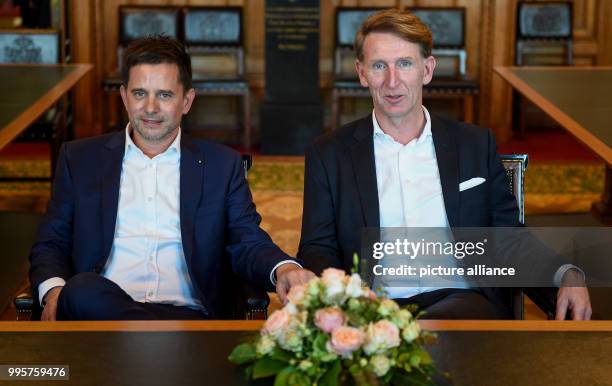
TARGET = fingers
(561,309)
(575,299)
(281,289)
(49,313)
(290,279)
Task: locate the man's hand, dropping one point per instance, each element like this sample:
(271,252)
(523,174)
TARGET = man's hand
(49,313)
(573,296)
(288,275)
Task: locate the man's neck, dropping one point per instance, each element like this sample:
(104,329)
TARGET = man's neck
(403,129)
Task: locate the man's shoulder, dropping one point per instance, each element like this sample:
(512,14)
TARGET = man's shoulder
(93,144)
(345,135)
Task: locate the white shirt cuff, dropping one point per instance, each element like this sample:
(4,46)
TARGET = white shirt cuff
(272,274)
(561,271)
(46,285)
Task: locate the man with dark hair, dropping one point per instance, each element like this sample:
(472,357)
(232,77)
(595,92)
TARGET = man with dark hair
(402,167)
(149,223)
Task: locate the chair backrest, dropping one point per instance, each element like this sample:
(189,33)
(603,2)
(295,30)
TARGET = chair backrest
(139,21)
(30,46)
(247,162)
(348,22)
(214,38)
(544,33)
(515,165)
(447,26)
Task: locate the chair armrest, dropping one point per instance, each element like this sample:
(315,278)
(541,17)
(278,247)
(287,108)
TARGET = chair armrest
(255,301)
(24,304)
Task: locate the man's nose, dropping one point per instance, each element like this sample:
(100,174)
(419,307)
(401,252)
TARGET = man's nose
(392,77)
(151,105)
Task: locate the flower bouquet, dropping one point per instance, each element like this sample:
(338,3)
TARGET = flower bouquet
(336,331)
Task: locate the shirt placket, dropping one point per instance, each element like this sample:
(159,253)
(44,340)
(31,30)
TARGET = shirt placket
(150,213)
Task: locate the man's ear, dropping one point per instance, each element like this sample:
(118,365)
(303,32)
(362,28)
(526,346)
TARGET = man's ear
(123,93)
(360,68)
(428,68)
(188,100)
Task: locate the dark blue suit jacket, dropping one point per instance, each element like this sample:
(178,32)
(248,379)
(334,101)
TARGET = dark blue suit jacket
(219,224)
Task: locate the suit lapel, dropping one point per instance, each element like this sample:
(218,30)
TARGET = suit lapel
(448,164)
(111,180)
(362,155)
(192,170)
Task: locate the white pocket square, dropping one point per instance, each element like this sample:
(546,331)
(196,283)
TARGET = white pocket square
(469,184)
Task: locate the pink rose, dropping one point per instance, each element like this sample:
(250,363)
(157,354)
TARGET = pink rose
(381,336)
(327,319)
(345,340)
(296,294)
(276,323)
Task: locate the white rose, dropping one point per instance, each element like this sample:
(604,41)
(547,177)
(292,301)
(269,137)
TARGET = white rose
(290,340)
(401,318)
(380,365)
(387,307)
(353,287)
(411,332)
(265,345)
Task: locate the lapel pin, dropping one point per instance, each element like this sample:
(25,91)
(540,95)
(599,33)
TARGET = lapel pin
(200,162)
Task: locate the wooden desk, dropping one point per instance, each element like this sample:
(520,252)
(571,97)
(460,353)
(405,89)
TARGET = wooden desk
(29,91)
(580,100)
(195,353)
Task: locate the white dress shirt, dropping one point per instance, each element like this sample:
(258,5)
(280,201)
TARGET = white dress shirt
(147,259)
(409,189)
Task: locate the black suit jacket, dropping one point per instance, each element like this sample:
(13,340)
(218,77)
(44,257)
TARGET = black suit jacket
(340,190)
(219,224)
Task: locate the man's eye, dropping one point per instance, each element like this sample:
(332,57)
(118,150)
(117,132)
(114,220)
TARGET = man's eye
(379,66)
(139,94)
(404,63)
(165,95)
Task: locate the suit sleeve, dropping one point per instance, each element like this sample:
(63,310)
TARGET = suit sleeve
(504,210)
(319,242)
(51,253)
(252,252)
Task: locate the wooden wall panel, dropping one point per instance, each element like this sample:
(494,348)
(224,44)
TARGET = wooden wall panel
(490,31)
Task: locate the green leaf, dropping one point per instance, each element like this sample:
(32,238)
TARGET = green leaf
(267,367)
(281,355)
(283,377)
(298,378)
(330,378)
(320,342)
(425,357)
(243,353)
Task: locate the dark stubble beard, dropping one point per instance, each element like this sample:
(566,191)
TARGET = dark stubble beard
(168,130)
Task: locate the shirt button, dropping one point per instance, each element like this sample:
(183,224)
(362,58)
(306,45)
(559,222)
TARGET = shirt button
(149,199)
(151,258)
(150,294)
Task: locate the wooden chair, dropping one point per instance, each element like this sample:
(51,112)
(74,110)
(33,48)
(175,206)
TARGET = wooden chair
(214,38)
(450,80)
(544,298)
(543,38)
